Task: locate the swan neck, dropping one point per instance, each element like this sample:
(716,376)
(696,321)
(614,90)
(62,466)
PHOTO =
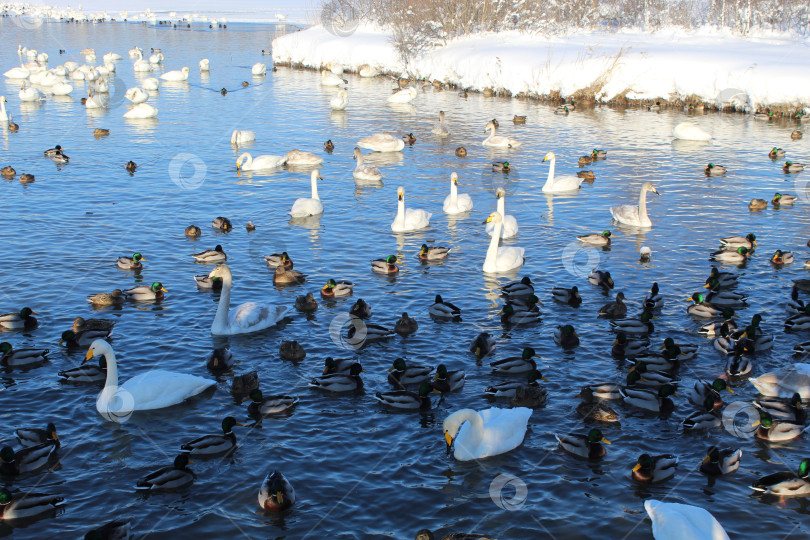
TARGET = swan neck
(550,178)
(453,191)
(492,251)
(360,160)
(475,434)
(642,206)
(112,370)
(502,206)
(221,317)
(401,209)
(315,186)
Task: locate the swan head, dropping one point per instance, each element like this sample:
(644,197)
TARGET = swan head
(220,271)
(490,125)
(241,159)
(649,187)
(97,348)
(400,193)
(454,178)
(453,423)
(441,116)
(316,175)
(357,153)
(184,70)
(500,193)
(549,157)
(494,217)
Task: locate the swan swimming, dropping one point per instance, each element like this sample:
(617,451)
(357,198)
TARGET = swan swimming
(242,136)
(635,215)
(176,75)
(409,219)
(406,95)
(477,435)
(688,131)
(142,110)
(498,141)
(509,222)
(258,163)
(311,206)
(136,95)
(559,184)
(339,102)
(382,142)
(505,258)
(675,521)
(455,203)
(258,69)
(247,317)
(364,171)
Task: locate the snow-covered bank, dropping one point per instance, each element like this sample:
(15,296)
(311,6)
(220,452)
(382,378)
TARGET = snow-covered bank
(707,65)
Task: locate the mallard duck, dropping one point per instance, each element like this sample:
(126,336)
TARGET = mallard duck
(222,224)
(704,419)
(276,493)
(11,357)
(341,365)
(587,176)
(525,303)
(530,397)
(800,321)
(427,534)
(431,253)
(329,146)
(754,340)
(193,230)
(143,293)
(114,530)
(244,383)
(131,263)
(291,350)
(80,324)
(585,160)
(83,338)
(623,347)
(360,333)
(501,166)
(679,351)
(35,436)
(211,256)
(719,461)
(29,459)
(601,279)
(400,374)
(337,289)
(306,303)
(776,153)
(285,276)
(8,172)
(614,309)
(714,170)
(406,325)
(654,300)
(517,119)
(209,445)
(52,151)
(596,153)
(594,409)
(654,108)
(444,310)
(409,139)
(791,167)
(100,132)
(566,337)
(654,468)
(781,258)
(562,109)
(405,399)
(523,287)
(731,243)
(448,381)
(22,320)
(703,309)
(177,476)
(219,360)
(721,297)
(802,284)
(261,405)
(724,343)
(776,430)
(586,446)
(516,364)
(204,281)
(567,296)
(645,376)
(650,400)
(508,389)
(738,256)
(385,266)
(461,151)
(795,304)
(602,391)
(26,178)
(482,345)
(510,316)
(786,483)
(250,227)
(783,200)
(279,259)
(796,135)
(596,239)
(636,327)
(791,409)
(738,365)
(703,390)
(60,157)
(26,505)
(86,373)
(723,280)
(758,204)
(340,382)
(360,309)
(131,167)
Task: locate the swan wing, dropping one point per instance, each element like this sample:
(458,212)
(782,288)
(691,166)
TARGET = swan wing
(674,521)
(625,213)
(417,218)
(255,315)
(509,257)
(504,430)
(306,207)
(158,388)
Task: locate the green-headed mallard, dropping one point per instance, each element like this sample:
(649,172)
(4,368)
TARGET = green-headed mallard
(654,299)
(209,445)
(146,293)
(596,239)
(648,377)
(739,256)
(731,243)
(654,468)
(783,200)
(35,436)
(800,321)
(678,351)
(739,365)
(131,263)
(614,309)
(211,256)
(712,169)
(516,364)
(361,332)
(702,309)
(285,276)
(409,139)
(508,389)
(719,461)
(482,345)
(11,357)
(337,289)
(776,153)
(26,505)
(562,109)
(360,309)
(624,347)
(177,476)
(601,278)
(329,146)
(400,374)
(131,167)
(290,349)
(261,405)
(525,303)
(754,340)
(405,399)
(510,316)
(27,459)
(706,418)
(790,409)
(385,266)
(115,298)
(786,483)
(444,310)
(448,381)
(523,287)
(724,343)
(585,446)
(566,337)
(340,382)
(776,430)
(83,338)
(724,280)
(222,224)
(635,327)
(649,400)
(204,281)
(432,253)
(86,373)
(220,359)
(406,325)
(501,166)
(792,167)
(795,304)
(341,365)
(193,231)
(567,296)
(276,493)
(723,298)
(654,108)
(781,258)
(279,259)
(703,390)
(598,154)
(22,320)
(306,303)
(758,204)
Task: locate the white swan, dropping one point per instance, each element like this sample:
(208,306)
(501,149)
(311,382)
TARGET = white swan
(4,115)
(382,142)
(17,73)
(95,101)
(311,206)
(258,69)
(150,83)
(559,184)
(509,222)
(28,93)
(408,219)
(176,75)
(242,136)
(102,86)
(406,95)
(688,131)
(339,102)
(141,65)
(42,58)
(675,521)
(501,259)
(368,71)
(136,95)
(784,383)
(112,57)
(259,163)
(441,128)
(497,141)
(246,318)
(154,389)
(142,110)
(205,64)
(299,157)
(635,215)
(156,58)
(135,51)
(455,203)
(61,89)
(330,79)
(476,435)
(364,171)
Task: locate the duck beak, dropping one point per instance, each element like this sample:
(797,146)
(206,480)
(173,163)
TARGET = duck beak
(755,424)
(190,462)
(729,389)
(637,467)
(543,378)
(449,440)
(163,289)
(436,391)
(143,258)
(279,497)
(705,287)
(604,440)
(706,459)
(391,369)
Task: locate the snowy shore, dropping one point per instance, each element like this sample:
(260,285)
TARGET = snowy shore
(716,68)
